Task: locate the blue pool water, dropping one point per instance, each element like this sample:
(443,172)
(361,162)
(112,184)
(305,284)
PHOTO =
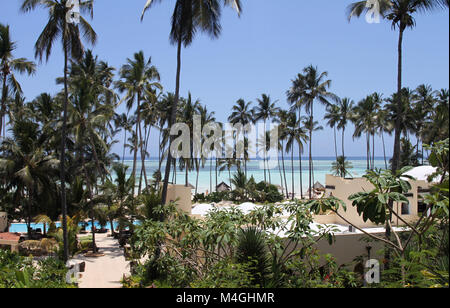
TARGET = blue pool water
(22,227)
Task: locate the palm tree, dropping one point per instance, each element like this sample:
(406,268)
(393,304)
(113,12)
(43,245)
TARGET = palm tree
(383,125)
(364,119)
(89,84)
(26,168)
(345,115)
(341,167)
(311,126)
(126,123)
(437,128)
(190,108)
(136,77)
(423,100)
(291,134)
(282,119)
(8,64)
(190,17)
(58,27)
(205,117)
(265,110)
(242,113)
(332,115)
(227,164)
(307,88)
(401,15)
(405,114)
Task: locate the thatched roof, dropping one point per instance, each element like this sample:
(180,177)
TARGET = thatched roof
(319,186)
(223,187)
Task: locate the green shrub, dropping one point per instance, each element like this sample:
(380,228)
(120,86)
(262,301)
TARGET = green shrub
(20,272)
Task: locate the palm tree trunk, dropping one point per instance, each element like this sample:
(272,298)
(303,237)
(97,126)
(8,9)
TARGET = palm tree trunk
(3,104)
(368,150)
(186,178)
(284,171)
(310,152)
(89,190)
(264,152)
(384,150)
(210,175)
(142,144)
(196,180)
(373,151)
(301,173)
(136,140)
(335,144)
(159,152)
(396,157)
(124,142)
(292,169)
(29,219)
(217,162)
(279,170)
(63,153)
(172,120)
(343,141)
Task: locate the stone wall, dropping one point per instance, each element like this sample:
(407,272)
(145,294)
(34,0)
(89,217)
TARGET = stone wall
(3,221)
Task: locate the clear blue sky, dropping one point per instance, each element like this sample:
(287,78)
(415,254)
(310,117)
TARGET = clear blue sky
(258,53)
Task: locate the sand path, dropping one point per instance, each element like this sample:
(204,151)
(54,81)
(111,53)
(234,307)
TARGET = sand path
(106,271)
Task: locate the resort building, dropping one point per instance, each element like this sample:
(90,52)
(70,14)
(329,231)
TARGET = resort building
(8,241)
(343,188)
(222,187)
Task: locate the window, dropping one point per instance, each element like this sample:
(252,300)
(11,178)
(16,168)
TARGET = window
(405,209)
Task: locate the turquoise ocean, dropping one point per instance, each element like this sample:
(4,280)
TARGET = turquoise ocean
(207,174)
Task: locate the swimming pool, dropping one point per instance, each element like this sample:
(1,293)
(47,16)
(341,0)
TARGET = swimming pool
(22,227)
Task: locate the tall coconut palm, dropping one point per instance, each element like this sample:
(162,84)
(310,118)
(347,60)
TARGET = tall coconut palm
(364,119)
(282,120)
(291,134)
(126,123)
(332,115)
(190,17)
(345,115)
(205,117)
(383,126)
(301,137)
(311,126)
(9,65)
(423,100)
(405,113)
(438,127)
(401,14)
(70,34)
(190,108)
(265,110)
(242,113)
(136,77)
(309,87)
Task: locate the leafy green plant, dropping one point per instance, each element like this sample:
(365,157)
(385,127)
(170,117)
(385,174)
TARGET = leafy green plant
(22,272)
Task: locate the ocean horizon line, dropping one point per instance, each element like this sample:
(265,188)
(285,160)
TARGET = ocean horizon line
(286,158)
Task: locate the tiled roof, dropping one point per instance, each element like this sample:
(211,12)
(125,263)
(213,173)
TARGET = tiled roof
(10,236)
